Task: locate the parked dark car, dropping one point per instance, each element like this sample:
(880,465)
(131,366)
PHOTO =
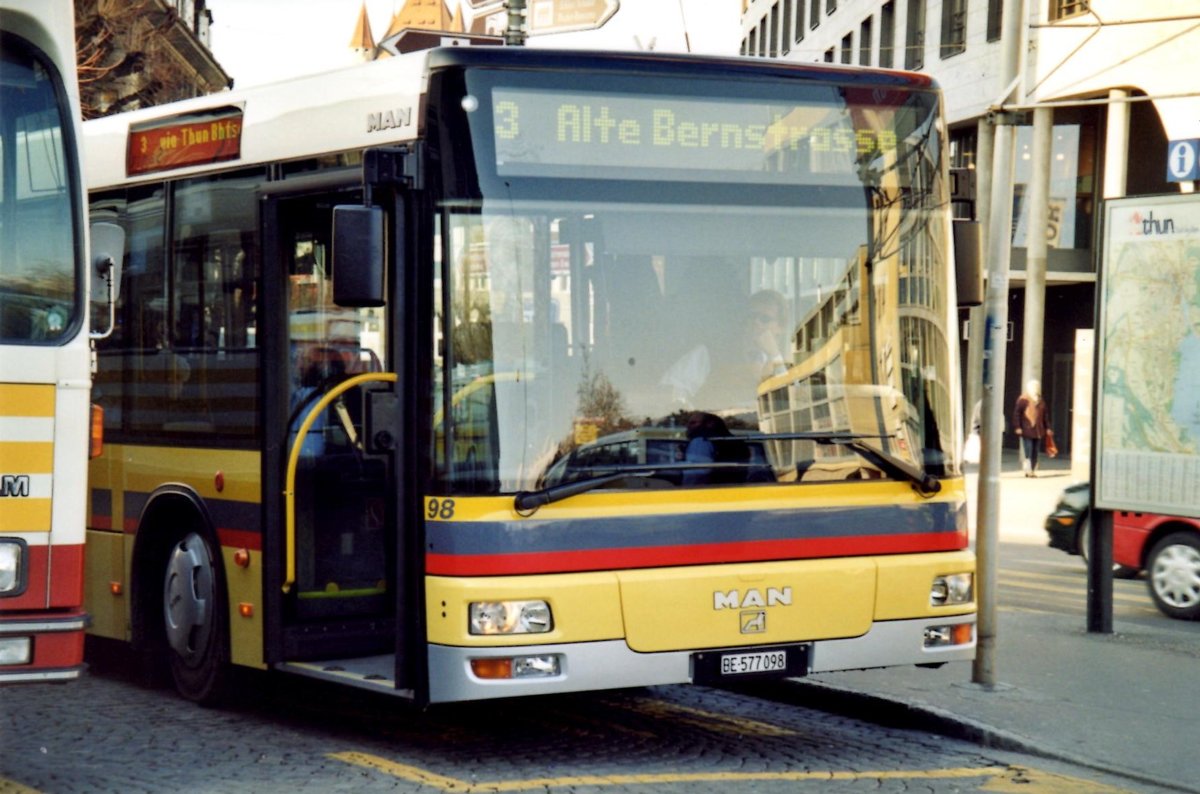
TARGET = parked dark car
(1069,525)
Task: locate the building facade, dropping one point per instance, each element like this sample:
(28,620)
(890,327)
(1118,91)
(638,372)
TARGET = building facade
(1114,84)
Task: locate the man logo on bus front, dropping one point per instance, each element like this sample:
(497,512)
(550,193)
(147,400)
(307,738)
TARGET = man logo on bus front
(754,622)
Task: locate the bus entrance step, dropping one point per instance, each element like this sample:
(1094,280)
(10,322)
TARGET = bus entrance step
(375,673)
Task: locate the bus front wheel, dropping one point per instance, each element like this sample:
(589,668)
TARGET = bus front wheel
(195,620)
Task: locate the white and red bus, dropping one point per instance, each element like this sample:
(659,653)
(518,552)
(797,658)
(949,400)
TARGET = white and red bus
(45,366)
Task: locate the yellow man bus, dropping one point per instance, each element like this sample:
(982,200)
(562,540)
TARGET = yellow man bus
(462,375)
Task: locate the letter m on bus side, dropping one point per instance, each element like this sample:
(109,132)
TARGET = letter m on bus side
(14,485)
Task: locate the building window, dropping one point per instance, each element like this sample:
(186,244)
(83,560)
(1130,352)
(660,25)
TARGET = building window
(830,6)
(814,14)
(864,42)
(848,48)
(887,35)
(773,32)
(995,19)
(954,27)
(914,40)
(829,55)
(1061,9)
(785,35)
(799,21)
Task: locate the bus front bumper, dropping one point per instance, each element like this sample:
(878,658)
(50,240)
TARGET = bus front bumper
(461,674)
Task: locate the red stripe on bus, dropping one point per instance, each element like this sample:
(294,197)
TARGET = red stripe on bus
(239,538)
(715,553)
(66,576)
(100,522)
(52,580)
(57,649)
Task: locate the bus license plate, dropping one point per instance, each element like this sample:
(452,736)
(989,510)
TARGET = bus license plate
(764,662)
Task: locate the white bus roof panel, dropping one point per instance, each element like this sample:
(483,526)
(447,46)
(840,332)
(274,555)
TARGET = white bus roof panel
(372,104)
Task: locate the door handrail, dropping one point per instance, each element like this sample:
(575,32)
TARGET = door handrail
(289,491)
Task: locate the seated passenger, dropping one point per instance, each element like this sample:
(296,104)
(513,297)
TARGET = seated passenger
(709,441)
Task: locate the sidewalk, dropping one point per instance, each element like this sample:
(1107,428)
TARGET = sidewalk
(1113,702)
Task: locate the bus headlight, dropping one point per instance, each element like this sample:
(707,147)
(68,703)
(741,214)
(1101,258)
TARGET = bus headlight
(956,588)
(15,650)
(510,617)
(11,554)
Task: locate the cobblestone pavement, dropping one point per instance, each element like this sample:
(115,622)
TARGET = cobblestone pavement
(106,733)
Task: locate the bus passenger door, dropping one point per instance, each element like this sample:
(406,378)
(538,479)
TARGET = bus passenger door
(335,538)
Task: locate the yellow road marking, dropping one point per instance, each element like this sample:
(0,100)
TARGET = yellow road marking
(996,778)
(719,723)
(13,787)
(1028,781)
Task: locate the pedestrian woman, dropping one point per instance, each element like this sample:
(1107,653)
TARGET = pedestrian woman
(1030,421)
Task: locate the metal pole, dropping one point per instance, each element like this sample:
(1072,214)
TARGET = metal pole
(514,33)
(1037,248)
(995,344)
(1100,551)
(995,352)
(984,155)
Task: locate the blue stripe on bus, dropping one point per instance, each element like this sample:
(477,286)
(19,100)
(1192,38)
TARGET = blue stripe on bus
(524,536)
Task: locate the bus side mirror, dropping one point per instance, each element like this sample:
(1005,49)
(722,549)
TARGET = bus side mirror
(108,249)
(358,256)
(968,263)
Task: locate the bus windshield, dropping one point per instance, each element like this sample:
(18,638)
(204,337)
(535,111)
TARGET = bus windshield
(693,283)
(38,276)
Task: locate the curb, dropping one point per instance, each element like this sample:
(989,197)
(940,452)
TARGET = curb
(894,712)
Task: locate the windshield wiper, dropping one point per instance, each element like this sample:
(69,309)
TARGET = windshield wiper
(526,502)
(923,483)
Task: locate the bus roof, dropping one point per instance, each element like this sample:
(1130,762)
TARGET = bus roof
(370,104)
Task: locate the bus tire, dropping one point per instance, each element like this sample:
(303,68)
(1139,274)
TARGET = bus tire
(196,620)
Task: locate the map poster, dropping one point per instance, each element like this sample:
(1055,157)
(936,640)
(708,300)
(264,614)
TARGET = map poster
(1148,358)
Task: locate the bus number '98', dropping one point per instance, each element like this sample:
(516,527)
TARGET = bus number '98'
(440,509)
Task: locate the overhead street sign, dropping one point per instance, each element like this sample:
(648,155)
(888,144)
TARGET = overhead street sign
(551,16)
(412,39)
(562,16)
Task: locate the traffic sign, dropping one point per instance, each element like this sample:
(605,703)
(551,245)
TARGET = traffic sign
(1183,160)
(553,16)
(561,16)
(412,40)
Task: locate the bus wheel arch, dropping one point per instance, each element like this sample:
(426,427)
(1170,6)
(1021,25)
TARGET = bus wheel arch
(180,602)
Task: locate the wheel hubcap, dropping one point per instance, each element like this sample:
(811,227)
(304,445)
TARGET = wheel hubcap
(1176,576)
(188,595)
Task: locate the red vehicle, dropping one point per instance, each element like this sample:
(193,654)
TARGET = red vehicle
(1167,548)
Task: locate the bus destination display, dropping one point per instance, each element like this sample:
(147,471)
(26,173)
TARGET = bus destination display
(189,139)
(621,136)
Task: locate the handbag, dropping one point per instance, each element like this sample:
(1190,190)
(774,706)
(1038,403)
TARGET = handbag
(1051,447)
(971,449)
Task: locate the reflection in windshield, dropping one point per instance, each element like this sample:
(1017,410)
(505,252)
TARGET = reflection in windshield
(679,282)
(586,339)
(38,279)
